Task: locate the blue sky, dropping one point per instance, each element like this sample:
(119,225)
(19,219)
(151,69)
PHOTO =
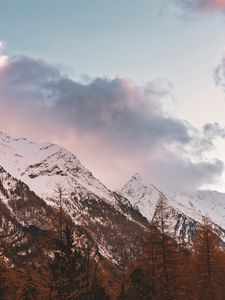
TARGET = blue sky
(141,39)
(138,40)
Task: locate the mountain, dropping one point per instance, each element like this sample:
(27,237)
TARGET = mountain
(184,210)
(36,177)
(23,205)
(141,195)
(43,166)
(25,219)
(49,172)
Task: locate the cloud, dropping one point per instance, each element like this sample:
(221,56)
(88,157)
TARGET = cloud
(2,45)
(115,127)
(3,58)
(185,173)
(213,130)
(219,73)
(202,5)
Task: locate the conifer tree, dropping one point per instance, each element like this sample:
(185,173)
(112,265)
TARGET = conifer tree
(209,272)
(166,255)
(68,268)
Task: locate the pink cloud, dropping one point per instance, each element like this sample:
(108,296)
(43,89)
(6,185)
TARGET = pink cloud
(114,127)
(203,5)
(3,58)
(2,45)
(215,4)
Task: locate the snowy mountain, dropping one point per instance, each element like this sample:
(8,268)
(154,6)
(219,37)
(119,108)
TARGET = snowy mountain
(32,176)
(185,210)
(141,195)
(202,203)
(26,208)
(43,169)
(44,166)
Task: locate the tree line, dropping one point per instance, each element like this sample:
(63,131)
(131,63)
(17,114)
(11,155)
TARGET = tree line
(170,269)
(60,264)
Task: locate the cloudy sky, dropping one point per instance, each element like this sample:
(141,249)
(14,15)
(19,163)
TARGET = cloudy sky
(128,86)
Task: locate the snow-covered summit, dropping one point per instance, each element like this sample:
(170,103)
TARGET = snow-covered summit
(202,203)
(43,166)
(194,205)
(141,195)
(29,169)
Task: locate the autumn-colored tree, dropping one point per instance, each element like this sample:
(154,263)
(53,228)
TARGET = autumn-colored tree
(165,256)
(96,290)
(208,267)
(33,281)
(185,272)
(142,273)
(67,268)
(5,275)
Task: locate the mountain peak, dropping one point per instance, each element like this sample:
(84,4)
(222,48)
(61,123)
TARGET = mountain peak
(3,135)
(141,195)
(33,179)
(43,166)
(137,177)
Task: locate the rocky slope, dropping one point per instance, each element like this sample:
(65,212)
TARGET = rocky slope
(184,210)
(35,178)
(41,174)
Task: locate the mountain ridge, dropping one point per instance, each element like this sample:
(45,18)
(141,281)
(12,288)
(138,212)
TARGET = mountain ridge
(113,219)
(186,209)
(107,217)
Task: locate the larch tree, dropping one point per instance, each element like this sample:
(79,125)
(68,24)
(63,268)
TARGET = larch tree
(167,256)
(209,273)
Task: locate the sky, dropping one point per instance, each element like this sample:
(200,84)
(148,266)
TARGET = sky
(128,86)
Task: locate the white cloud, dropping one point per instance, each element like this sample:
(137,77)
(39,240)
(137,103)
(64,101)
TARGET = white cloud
(114,126)
(3,58)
